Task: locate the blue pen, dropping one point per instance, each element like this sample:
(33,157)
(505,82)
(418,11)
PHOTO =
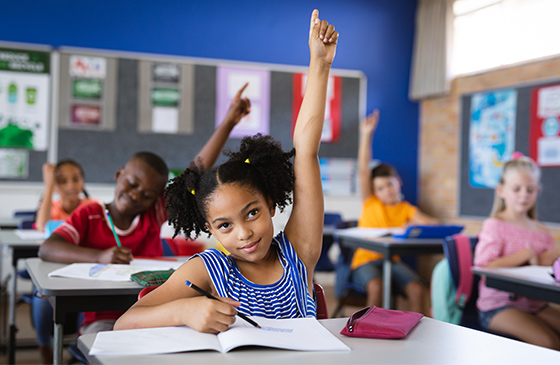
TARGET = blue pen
(113,228)
(208,295)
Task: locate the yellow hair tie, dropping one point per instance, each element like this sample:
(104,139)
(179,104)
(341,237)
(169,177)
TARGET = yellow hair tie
(247,161)
(192,192)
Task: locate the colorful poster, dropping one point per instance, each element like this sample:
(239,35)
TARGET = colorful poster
(228,82)
(14,163)
(492,136)
(544,137)
(24,98)
(331,126)
(338,176)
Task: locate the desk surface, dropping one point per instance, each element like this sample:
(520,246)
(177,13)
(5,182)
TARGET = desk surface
(10,238)
(9,222)
(530,281)
(430,342)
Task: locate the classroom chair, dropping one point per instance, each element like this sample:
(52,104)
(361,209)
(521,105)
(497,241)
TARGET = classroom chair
(179,246)
(320,299)
(329,223)
(344,288)
(454,288)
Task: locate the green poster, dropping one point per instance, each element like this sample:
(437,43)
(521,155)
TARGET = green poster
(20,60)
(165,97)
(87,88)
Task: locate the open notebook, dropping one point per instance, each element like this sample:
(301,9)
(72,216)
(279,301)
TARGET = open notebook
(304,334)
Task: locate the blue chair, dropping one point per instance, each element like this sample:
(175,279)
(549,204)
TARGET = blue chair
(329,223)
(26,218)
(344,289)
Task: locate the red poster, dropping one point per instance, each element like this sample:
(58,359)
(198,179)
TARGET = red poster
(331,127)
(544,136)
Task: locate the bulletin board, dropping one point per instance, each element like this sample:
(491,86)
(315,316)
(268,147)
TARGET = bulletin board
(104,148)
(526,133)
(25,110)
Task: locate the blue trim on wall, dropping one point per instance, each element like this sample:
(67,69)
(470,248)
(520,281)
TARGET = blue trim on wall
(376,38)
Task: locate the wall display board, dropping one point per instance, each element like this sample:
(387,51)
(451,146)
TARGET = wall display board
(122,92)
(494,125)
(25,98)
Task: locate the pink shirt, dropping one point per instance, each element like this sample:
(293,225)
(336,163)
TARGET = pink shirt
(497,239)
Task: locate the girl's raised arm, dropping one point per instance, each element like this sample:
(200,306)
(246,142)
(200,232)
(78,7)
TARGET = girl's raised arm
(305,226)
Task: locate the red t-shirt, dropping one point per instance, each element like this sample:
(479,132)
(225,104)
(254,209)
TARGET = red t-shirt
(88,226)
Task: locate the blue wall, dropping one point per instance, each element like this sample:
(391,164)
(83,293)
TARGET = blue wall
(376,38)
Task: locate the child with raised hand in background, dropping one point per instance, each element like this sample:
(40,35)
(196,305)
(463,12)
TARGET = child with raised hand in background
(263,275)
(67,179)
(513,237)
(383,207)
(137,211)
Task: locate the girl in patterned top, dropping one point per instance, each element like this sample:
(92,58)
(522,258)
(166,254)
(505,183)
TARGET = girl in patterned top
(513,237)
(263,275)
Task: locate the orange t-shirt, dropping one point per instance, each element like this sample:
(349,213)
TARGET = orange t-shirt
(375,214)
(58,213)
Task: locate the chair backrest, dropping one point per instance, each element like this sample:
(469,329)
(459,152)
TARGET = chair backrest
(179,246)
(331,219)
(50,226)
(458,250)
(321,300)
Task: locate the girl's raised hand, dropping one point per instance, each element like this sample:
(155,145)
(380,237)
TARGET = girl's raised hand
(48,174)
(239,107)
(369,124)
(322,39)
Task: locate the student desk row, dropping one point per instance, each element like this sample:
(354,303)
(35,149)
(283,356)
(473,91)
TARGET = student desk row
(390,246)
(20,249)
(430,342)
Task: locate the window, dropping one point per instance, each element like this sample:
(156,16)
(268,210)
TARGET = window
(491,33)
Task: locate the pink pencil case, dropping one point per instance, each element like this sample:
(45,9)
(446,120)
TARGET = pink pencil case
(375,322)
(556,269)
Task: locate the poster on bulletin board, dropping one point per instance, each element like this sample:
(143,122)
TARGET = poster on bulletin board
(544,137)
(331,126)
(24,98)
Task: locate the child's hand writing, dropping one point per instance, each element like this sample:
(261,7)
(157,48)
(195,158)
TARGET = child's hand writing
(211,316)
(239,107)
(322,39)
(115,255)
(369,125)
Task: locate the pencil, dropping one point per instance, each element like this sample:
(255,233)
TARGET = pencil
(208,295)
(113,228)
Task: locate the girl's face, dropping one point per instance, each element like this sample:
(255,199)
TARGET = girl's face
(519,191)
(241,220)
(387,189)
(69,181)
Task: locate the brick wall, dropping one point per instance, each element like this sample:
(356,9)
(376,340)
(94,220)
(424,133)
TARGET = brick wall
(440,139)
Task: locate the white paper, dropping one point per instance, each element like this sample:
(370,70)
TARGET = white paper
(370,232)
(304,334)
(532,272)
(165,119)
(29,234)
(112,272)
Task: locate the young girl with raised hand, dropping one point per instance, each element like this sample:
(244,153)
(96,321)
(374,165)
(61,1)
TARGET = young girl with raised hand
(264,275)
(513,237)
(67,179)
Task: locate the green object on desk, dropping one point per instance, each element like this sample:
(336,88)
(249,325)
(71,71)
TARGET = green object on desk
(152,278)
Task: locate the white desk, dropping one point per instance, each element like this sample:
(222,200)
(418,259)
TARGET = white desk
(430,342)
(390,246)
(20,249)
(529,281)
(76,295)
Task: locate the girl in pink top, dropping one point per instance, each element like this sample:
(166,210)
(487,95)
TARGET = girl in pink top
(513,237)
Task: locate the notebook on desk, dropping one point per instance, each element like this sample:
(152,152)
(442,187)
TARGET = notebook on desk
(429,231)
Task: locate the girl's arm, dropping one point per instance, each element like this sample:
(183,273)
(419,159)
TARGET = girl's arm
(44,211)
(422,218)
(239,108)
(304,228)
(176,304)
(519,258)
(367,129)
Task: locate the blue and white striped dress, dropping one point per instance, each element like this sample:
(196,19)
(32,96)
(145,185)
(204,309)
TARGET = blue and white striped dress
(287,298)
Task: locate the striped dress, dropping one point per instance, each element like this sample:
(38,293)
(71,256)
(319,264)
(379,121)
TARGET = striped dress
(287,298)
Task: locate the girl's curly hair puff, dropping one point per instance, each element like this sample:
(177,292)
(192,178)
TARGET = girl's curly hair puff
(260,164)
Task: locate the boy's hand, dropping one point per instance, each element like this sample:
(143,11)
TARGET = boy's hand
(322,39)
(369,125)
(212,316)
(239,107)
(115,255)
